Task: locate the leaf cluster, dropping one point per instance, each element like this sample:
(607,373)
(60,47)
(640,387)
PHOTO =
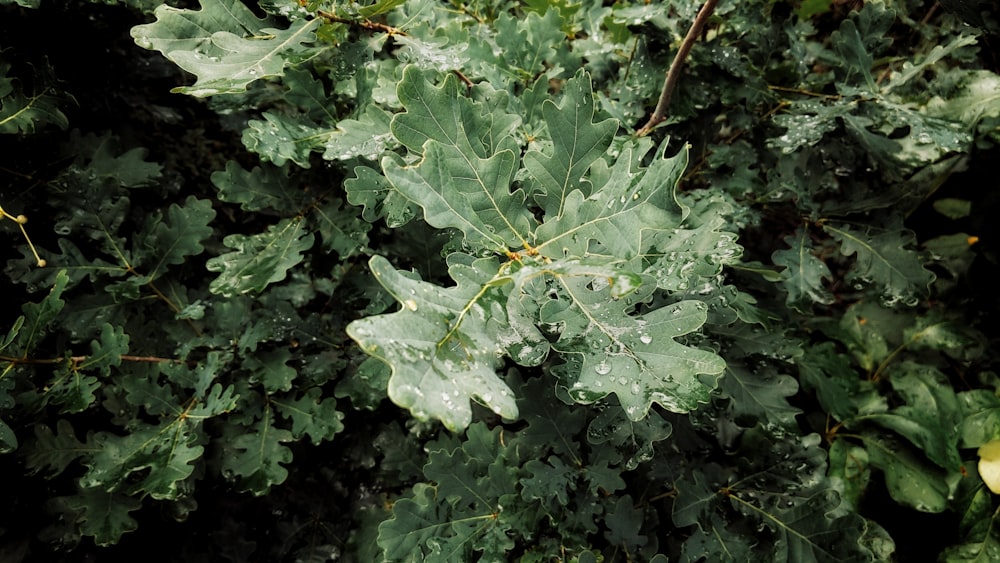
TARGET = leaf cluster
(436,275)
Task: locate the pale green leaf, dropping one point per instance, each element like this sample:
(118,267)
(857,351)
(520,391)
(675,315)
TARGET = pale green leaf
(225,45)
(637,358)
(465,177)
(576,143)
(441,353)
(367,137)
(620,220)
(259,260)
(978,98)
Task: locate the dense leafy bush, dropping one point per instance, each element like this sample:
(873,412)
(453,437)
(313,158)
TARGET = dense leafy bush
(760,332)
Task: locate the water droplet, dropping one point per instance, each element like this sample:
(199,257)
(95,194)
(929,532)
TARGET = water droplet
(645,338)
(603,368)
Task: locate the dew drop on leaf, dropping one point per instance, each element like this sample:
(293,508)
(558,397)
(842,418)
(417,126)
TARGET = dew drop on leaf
(603,368)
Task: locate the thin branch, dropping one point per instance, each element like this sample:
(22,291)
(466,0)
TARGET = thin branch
(81,359)
(674,73)
(388,29)
(363,24)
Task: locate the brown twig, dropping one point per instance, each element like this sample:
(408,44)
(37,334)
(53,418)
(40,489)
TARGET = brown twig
(674,73)
(363,24)
(81,359)
(387,29)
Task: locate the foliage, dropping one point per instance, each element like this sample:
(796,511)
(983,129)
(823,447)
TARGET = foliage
(433,274)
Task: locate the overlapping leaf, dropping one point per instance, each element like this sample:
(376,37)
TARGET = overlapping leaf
(24,113)
(261,259)
(467,168)
(439,346)
(882,258)
(576,143)
(225,45)
(804,273)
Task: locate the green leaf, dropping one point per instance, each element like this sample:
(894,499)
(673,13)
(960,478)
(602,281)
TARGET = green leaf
(379,7)
(263,187)
(312,415)
(152,460)
(624,523)
(53,451)
(104,515)
(20,113)
(259,260)
(809,531)
(340,229)
(552,426)
(636,358)
(623,217)
(170,240)
(860,37)
(416,521)
(980,417)
(373,190)
(8,440)
(929,419)
(804,273)
(225,45)
(37,317)
(850,471)
(366,137)
(551,479)
(576,143)
(634,439)
(978,98)
(462,182)
(761,393)
(464,512)
(982,543)
(282,138)
(441,358)
(257,457)
(107,350)
(911,480)
(882,258)
(841,391)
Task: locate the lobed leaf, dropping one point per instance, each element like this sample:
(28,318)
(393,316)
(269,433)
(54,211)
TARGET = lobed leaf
(803,274)
(225,45)
(259,260)
(440,350)
(576,143)
(882,258)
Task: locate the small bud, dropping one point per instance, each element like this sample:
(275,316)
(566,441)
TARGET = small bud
(972,240)
(21,219)
(42,263)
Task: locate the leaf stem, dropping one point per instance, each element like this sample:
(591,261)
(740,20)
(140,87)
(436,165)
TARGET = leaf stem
(674,73)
